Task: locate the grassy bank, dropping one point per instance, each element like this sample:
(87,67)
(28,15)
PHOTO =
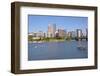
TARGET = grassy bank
(49,39)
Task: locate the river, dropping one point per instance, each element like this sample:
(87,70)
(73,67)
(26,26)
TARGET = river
(57,50)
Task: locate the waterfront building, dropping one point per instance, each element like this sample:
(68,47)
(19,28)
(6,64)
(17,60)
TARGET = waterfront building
(32,34)
(56,34)
(69,34)
(86,32)
(61,33)
(51,30)
(73,34)
(43,35)
(40,34)
(79,33)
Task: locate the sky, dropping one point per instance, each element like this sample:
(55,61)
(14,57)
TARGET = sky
(69,23)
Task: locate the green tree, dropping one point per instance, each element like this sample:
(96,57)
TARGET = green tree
(30,37)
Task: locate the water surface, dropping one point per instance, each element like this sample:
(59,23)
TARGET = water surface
(57,50)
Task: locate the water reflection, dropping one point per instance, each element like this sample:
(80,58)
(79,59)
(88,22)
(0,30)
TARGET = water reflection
(57,50)
(82,46)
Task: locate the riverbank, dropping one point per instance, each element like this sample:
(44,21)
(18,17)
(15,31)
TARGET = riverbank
(49,41)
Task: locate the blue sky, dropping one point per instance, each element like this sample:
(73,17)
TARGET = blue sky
(69,23)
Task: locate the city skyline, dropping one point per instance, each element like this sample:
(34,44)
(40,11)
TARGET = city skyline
(57,37)
(40,23)
(53,32)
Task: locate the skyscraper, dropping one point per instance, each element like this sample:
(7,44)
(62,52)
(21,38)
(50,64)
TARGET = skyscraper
(73,34)
(69,34)
(79,33)
(86,34)
(61,33)
(51,30)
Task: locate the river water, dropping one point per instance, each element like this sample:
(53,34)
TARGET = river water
(57,50)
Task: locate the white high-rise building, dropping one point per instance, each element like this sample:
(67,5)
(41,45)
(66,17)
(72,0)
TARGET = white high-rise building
(79,33)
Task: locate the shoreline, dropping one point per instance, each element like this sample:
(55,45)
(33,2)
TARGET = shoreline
(49,41)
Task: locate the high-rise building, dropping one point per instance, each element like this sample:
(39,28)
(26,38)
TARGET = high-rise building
(61,33)
(86,34)
(69,34)
(40,34)
(73,34)
(79,33)
(56,34)
(51,30)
